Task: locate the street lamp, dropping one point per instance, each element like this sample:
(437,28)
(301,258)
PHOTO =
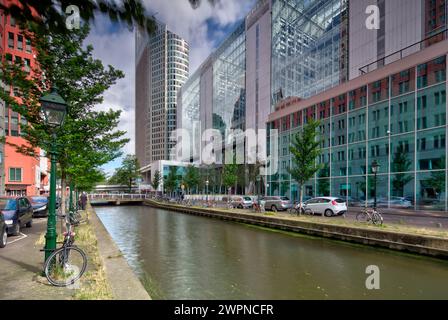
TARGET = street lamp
(54,110)
(258,189)
(375,168)
(206,188)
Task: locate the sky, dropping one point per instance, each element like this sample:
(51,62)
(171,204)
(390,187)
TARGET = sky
(204,29)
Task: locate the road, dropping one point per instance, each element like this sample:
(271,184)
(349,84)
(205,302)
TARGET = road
(20,265)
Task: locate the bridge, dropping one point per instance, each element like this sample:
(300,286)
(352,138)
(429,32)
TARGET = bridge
(99,199)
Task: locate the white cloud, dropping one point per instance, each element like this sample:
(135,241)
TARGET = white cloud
(117,47)
(191,24)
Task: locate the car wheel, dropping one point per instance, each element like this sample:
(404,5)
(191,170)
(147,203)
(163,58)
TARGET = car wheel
(274,208)
(29,224)
(3,238)
(328,213)
(16,231)
(240,207)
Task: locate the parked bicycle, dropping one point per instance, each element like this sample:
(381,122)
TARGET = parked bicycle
(370,215)
(258,207)
(296,210)
(67,264)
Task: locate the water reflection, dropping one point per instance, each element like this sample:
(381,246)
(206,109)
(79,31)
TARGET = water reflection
(190,257)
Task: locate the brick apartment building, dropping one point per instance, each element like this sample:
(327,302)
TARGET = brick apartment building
(20,174)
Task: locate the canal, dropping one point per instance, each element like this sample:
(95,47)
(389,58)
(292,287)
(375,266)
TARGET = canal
(179,256)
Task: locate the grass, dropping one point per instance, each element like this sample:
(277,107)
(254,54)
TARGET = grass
(93,284)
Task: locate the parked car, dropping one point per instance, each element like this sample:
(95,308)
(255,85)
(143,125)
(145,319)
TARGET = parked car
(40,206)
(3,232)
(17,212)
(241,202)
(328,206)
(277,203)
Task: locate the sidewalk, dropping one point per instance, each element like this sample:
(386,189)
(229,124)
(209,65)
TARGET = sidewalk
(20,265)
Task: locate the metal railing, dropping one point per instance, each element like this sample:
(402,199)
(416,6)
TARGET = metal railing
(407,51)
(115,196)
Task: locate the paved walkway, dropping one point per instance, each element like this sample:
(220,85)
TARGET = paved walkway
(20,265)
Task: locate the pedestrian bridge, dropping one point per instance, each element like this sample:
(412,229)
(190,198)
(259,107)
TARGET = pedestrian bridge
(99,199)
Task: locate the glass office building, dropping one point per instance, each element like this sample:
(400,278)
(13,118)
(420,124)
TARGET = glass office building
(400,121)
(308,46)
(229,83)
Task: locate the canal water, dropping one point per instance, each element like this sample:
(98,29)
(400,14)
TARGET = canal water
(179,256)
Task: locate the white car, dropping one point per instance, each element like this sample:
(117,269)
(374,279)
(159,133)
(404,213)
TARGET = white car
(327,206)
(241,202)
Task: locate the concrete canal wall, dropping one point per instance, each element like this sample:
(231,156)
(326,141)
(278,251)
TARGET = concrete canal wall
(420,244)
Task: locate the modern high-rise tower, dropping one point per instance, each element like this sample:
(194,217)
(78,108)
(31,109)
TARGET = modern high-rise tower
(161,68)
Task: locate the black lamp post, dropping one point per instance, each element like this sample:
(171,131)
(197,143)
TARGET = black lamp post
(54,110)
(375,168)
(206,189)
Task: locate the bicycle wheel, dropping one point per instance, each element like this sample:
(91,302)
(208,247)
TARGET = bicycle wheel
(65,266)
(362,217)
(377,219)
(308,212)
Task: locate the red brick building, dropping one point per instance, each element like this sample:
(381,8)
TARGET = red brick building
(20,174)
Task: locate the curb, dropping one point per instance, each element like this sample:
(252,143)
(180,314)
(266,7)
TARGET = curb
(124,284)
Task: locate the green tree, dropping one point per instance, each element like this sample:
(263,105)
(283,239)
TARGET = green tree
(170,182)
(305,148)
(128,172)
(229,175)
(89,138)
(437,178)
(49,17)
(400,164)
(191,178)
(323,183)
(155,183)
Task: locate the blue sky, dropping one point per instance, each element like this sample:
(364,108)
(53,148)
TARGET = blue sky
(204,28)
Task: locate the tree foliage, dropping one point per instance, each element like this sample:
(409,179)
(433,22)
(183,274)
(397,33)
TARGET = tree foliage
(50,14)
(305,148)
(128,173)
(192,177)
(88,138)
(155,183)
(170,182)
(401,163)
(230,175)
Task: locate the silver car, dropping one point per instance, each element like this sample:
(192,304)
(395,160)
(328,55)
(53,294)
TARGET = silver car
(328,206)
(277,203)
(241,202)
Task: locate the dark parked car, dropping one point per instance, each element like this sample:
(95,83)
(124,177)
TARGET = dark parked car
(17,212)
(40,206)
(3,232)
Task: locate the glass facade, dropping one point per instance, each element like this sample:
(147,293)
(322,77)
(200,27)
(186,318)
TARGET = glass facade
(229,88)
(399,121)
(308,47)
(189,116)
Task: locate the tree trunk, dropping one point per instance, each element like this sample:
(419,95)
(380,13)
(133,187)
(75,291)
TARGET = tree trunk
(300,199)
(63,187)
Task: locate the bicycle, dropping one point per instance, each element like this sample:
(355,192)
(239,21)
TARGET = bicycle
(67,264)
(76,218)
(372,215)
(258,207)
